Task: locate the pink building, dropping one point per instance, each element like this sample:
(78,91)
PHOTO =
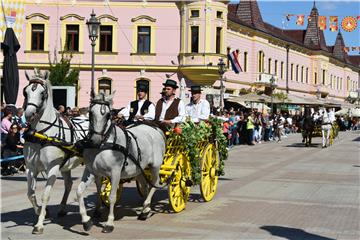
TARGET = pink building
(147,40)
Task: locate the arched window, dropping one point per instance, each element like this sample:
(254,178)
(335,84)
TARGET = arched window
(146,82)
(104,86)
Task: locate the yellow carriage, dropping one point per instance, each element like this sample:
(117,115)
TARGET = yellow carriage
(333,132)
(176,171)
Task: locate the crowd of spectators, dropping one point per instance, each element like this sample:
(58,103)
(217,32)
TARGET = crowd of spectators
(253,127)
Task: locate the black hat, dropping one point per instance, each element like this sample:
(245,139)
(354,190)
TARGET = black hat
(142,87)
(170,83)
(195,89)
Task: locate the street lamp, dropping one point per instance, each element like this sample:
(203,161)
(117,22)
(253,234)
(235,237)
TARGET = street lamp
(221,66)
(272,81)
(93,27)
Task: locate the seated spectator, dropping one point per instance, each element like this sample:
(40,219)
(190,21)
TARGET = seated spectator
(6,124)
(12,147)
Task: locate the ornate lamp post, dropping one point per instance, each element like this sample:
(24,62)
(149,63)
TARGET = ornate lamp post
(93,27)
(272,81)
(221,66)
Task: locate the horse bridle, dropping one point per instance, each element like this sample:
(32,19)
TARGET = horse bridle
(44,94)
(103,104)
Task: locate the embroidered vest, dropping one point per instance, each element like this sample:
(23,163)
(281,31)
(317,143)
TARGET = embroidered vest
(171,112)
(134,107)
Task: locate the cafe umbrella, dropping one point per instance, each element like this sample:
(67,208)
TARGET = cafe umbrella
(10,67)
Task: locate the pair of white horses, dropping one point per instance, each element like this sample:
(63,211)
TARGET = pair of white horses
(143,142)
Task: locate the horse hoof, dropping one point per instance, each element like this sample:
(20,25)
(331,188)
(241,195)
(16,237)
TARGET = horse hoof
(107,229)
(61,213)
(143,216)
(88,225)
(38,230)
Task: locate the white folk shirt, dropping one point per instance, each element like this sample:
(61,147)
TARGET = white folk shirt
(332,116)
(198,111)
(181,109)
(150,115)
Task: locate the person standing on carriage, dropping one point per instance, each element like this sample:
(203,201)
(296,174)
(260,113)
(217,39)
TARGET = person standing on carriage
(325,128)
(140,109)
(198,109)
(169,109)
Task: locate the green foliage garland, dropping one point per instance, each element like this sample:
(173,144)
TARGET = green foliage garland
(192,134)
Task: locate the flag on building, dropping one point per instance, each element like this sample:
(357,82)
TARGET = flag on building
(322,22)
(349,24)
(233,58)
(334,23)
(300,19)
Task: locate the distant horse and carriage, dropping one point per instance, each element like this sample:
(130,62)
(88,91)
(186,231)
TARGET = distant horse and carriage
(112,156)
(313,128)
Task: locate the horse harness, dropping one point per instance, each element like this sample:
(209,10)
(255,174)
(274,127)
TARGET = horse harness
(61,136)
(104,145)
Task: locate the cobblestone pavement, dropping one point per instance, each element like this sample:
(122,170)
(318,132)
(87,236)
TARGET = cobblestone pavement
(270,191)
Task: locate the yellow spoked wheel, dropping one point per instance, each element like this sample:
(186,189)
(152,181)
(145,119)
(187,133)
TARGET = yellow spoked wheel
(105,191)
(178,188)
(144,188)
(209,168)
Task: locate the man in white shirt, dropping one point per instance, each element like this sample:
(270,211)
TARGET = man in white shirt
(170,109)
(198,109)
(138,110)
(325,128)
(332,115)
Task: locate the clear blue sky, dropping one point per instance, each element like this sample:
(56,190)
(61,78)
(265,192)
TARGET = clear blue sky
(274,12)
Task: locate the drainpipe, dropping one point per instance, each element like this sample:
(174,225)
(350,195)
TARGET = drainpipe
(287,68)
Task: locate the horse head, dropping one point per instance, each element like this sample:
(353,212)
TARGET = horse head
(36,95)
(100,117)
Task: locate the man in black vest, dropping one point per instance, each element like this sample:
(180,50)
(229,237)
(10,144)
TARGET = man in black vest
(138,110)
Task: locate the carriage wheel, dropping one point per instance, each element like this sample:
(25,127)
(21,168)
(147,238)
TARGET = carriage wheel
(209,176)
(178,188)
(143,190)
(106,189)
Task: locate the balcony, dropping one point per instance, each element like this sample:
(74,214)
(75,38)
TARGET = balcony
(200,68)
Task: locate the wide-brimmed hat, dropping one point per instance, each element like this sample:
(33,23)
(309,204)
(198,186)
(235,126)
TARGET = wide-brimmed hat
(195,89)
(170,83)
(142,87)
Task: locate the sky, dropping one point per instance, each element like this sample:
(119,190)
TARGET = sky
(274,12)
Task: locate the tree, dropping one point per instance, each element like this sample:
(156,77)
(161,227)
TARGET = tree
(61,73)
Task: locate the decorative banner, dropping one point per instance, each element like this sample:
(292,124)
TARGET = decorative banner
(348,24)
(300,19)
(322,22)
(11,15)
(309,18)
(353,48)
(334,23)
(346,49)
(288,16)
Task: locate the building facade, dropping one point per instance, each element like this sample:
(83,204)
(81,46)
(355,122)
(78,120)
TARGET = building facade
(153,40)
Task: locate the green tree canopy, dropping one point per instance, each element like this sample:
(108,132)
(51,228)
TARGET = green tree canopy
(61,73)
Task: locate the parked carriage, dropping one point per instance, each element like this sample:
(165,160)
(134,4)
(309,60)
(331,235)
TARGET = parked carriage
(176,173)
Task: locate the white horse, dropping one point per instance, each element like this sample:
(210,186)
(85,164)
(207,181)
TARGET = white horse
(46,156)
(120,154)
